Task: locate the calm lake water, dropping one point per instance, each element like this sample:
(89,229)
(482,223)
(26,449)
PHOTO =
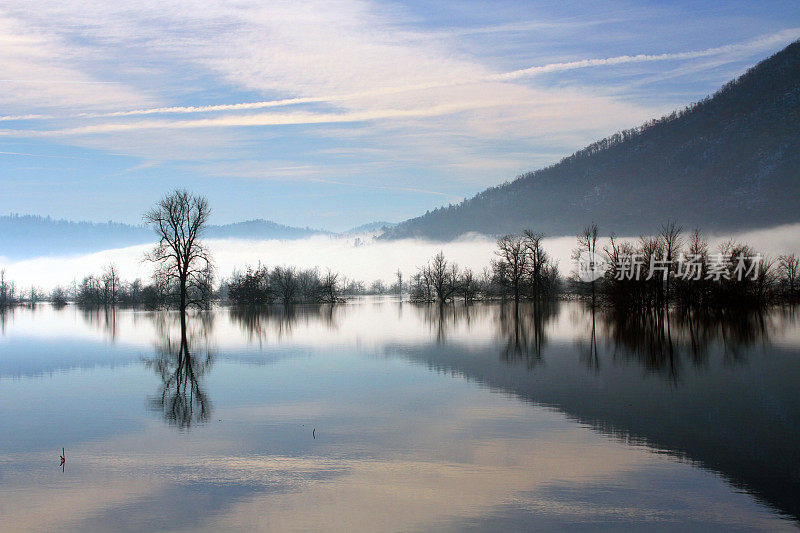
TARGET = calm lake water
(379,415)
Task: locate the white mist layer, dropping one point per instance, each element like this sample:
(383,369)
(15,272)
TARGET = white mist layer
(368,261)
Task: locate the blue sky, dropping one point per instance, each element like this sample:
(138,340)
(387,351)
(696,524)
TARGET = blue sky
(334,114)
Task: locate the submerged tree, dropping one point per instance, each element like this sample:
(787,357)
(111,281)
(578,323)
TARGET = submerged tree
(58,297)
(468,285)
(183,261)
(512,266)
(110,284)
(671,242)
(789,269)
(587,244)
(7,290)
(438,281)
(444,277)
(523,268)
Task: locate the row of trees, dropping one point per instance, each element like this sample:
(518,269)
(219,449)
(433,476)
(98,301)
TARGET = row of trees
(522,270)
(110,289)
(440,281)
(282,284)
(680,268)
(10,294)
(105,289)
(253,286)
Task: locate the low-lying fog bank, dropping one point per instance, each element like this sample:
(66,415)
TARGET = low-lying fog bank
(354,257)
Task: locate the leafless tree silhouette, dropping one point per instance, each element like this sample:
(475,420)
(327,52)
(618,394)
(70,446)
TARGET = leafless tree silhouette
(789,269)
(179,220)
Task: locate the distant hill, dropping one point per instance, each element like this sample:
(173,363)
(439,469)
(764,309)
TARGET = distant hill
(23,236)
(260,229)
(372,227)
(728,162)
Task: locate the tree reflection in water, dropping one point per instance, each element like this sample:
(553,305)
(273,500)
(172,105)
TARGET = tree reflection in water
(261,323)
(663,340)
(716,390)
(522,331)
(6,315)
(445,318)
(181,365)
(104,318)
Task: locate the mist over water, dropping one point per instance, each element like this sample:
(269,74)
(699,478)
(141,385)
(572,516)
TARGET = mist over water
(361,258)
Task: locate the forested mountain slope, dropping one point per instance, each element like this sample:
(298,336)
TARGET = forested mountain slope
(728,162)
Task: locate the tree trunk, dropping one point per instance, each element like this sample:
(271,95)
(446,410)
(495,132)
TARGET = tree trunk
(183,296)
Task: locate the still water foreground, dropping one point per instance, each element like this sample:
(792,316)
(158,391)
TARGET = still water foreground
(380,415)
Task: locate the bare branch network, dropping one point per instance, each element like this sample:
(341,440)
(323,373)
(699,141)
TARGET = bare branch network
(182,260)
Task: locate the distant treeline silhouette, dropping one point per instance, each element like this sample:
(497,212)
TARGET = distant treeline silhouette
(33,236)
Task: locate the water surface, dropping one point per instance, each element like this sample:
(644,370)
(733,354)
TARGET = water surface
(380,415)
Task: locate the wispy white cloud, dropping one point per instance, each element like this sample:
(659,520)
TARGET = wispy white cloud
(42,70)
(312,174)
(279,83)
(735,49)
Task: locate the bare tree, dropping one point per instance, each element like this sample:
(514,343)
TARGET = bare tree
(789,269)
(285,284)
(468,285)
(691,283)
(179,220)
(512,266)
(58,297)
(538,262)
(330,288)
(111,284)
(671,241)
(444,277)
(7,290)
(377,287)
(587,243)
(34,295)
(649,248)
(420,287)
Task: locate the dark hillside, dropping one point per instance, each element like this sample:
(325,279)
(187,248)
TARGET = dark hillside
(728,162)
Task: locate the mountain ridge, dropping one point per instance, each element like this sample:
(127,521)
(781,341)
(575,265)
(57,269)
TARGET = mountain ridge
(727,162)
